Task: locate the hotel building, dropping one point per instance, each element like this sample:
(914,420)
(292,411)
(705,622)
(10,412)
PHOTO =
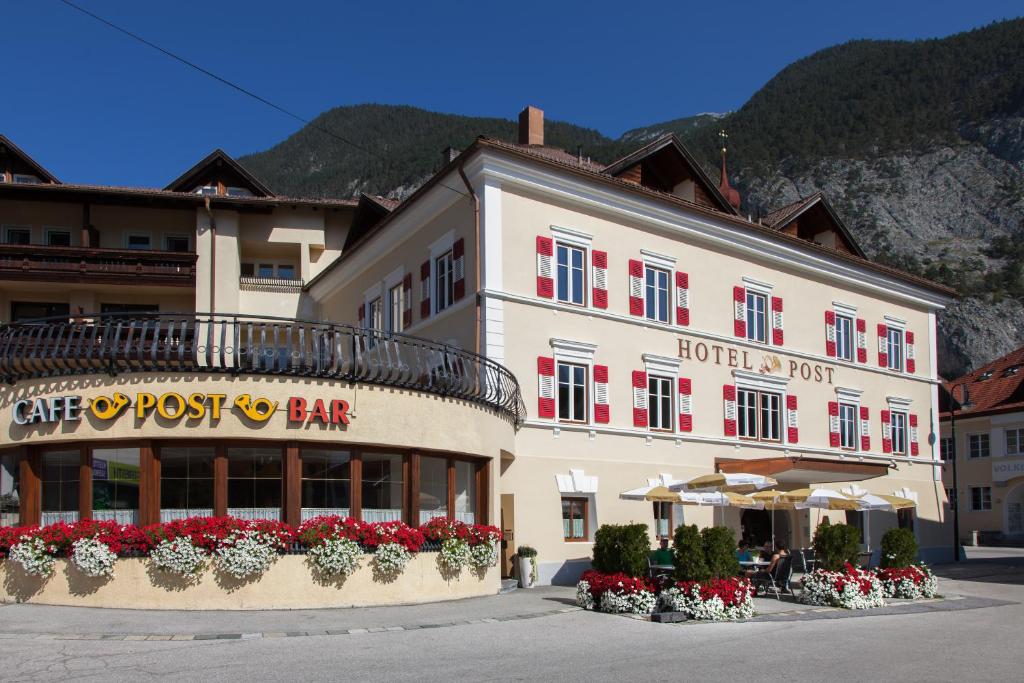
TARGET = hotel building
(525,337)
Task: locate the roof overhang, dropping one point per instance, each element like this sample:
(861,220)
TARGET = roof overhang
(796,470)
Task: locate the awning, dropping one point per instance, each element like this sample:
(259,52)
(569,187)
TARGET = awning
(793,470)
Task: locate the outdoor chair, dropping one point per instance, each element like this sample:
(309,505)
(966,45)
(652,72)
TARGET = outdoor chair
(776,581)
(657,572)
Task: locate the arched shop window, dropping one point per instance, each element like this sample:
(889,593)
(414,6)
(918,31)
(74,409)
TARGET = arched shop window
(254,483)
(382,487)
(186,482)
(326,482)
(115,485)
(60,486)
(433,488)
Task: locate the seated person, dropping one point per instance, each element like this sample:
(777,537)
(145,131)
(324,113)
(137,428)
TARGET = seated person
(743,552)
(663,555)
(780,552)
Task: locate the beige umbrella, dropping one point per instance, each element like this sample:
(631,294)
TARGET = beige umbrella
(822,499)
(898,502)
(731,482)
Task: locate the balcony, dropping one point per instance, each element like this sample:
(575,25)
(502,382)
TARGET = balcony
(115,343)
(249,283)
(95,265)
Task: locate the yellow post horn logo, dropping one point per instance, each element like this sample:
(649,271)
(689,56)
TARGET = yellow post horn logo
(257,410)
(106,408)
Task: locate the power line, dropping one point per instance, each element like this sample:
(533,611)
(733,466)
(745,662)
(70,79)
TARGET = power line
(234,86)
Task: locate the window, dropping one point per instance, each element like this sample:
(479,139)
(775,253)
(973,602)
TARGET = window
(1015,441)
(444,284)
(326,482)
(433,488)
(179,243)
(663,520)
(894,348)
(951,496)
(856,519)
(58,238)
(382,487)
(844,337)
(374,315)
(574,519)
(254,483)
(29,310)
(265,270)
(137,241)
(905,518)
(238,192)
(20,236)
(898,427)
(396,308)
(659,403)
(848,425)
(759,415)
(981,498)
(571,280)
(978,446)
(248,270)
(115,485)
(285,271)
(757,320)
(10,475)
(60,486)
(207,190)
(656,294)
(572,392)
(465,491)
(26,179)
(947,450)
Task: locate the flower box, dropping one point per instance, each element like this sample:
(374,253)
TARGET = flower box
(908,583)
(851,588)
(714,600)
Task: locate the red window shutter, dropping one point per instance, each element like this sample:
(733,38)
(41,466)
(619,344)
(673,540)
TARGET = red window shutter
(636,287)
(778,337)
(739,305)
(425,290)
(545,272)
(886,432)
(459,268)
(833,424)
(830,334)
(862,341)
(682,299)
(865,429)
(914,448)
(910,354)
(599,263)
(792,426)
(407,300)
(685,405)
(601,394)
(883,349)
(639,398)
(729,396)
(545,387)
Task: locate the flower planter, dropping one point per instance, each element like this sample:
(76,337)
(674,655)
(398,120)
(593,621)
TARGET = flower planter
(525,572)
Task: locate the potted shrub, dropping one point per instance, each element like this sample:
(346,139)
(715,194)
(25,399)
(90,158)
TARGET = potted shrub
(527,566)
(835,546)
(899,548)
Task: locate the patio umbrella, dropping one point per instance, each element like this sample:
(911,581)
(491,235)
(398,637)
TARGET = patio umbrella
(898,502)
(730,482)
(870,501)
(822,499)
(657,492)
(772,500)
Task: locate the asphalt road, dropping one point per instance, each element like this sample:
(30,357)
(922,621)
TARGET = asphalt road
(971,645)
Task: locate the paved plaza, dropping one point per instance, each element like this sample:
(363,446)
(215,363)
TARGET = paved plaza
(537,634)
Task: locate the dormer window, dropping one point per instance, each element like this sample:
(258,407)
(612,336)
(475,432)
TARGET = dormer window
(985,375)
(207,190)
(26,179)
(238,192)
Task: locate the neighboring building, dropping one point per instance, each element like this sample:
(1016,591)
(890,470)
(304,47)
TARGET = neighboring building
(655,334)
(989,449)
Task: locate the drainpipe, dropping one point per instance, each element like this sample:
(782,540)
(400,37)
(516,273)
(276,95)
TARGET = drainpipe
(213,254)
(476,260)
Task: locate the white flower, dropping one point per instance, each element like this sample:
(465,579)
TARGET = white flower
(641,602)
(820,588)
(33,555)
(93,557)
(484,554)
(455,554)
(336,556)
(583,597)
(246,554)
(693,606)
(179,557)
(390,559)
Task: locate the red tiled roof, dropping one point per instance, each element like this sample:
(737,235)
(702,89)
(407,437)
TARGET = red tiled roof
(996,387)
(780,216)
(561,156)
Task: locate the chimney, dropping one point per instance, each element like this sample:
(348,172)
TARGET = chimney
(531,126)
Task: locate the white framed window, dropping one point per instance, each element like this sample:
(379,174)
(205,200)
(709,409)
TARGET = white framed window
(207,190)
(844,337)
(849,425)
(978,446)
(138,240)
(981,498)
(1015,441)
(17,235)
(58,237)
(757,316)
(759,414)
(375,315)
(570,274)
(396,308)
(177,243)
(444,281)
(237,192)
(898,431)
(946,448)
(25,179)
(894,348)
(660,416)
(656,293)
(572,391)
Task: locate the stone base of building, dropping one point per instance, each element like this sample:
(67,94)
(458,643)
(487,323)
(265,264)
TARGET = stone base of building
(290,583)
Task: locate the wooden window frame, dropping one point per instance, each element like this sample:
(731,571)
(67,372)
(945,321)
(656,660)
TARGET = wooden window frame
(586,520)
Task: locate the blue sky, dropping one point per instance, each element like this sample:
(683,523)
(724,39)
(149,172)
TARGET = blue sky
(94,106)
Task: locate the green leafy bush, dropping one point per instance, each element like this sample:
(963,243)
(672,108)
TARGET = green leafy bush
(622,548)
(720,552)
(526,551)
(688,554)
(835,545)
(899,548)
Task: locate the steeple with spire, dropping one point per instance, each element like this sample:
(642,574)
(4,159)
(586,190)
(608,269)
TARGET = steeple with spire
(730,193)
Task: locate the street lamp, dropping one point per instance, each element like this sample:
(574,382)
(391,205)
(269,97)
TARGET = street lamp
(954,503)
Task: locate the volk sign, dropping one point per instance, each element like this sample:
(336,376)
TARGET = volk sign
(175,406)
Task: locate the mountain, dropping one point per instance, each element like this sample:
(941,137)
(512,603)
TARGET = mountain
(919,145)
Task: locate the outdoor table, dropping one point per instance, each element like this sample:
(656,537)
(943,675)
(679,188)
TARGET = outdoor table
(754,564)
(663,567)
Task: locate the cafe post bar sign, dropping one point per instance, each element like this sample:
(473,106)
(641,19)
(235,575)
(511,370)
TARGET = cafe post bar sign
(174,406)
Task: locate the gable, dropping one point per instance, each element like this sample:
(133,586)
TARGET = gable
(18,167)
(219,174)
(814,220)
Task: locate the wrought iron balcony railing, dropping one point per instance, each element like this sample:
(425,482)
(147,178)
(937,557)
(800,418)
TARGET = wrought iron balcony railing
(116,343)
